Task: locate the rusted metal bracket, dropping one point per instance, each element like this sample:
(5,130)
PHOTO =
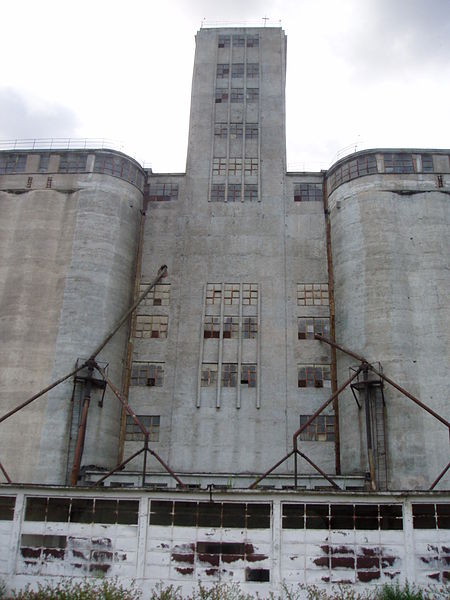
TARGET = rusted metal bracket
(395,385)
(296,452)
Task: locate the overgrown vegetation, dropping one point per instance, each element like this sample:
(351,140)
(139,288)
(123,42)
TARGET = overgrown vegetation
(71,589)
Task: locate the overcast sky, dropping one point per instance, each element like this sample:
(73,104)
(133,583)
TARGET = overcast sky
(372,72)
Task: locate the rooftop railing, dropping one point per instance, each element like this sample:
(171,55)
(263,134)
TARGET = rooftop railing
(68,144)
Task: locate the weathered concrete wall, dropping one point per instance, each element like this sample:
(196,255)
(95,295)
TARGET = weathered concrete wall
(273,243)
(390,241)
(68,269)
(36,231)
(259,540)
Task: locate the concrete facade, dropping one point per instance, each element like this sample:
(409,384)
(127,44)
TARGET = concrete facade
(219,361)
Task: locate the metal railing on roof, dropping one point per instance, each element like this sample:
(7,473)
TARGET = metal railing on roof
(67,144)
(263,22)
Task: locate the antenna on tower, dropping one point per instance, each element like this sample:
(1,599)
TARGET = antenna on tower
(265,19)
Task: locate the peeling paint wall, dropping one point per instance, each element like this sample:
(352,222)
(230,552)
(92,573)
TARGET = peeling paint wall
(259,540)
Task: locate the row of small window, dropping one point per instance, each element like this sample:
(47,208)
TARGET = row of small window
(238,41)
(231,293)
(342,516)
(151,423)
(316,376)
(82,510)
(159,295)
(160,192)
(236,130)
(238,70)
(307,192)
(222,514)
(75,162)
(236,95)
(116,166)
(312,294)
(367,165)
(151,326)
(229,375)
(235,515)
(233,192)
(233,166)
(230,328)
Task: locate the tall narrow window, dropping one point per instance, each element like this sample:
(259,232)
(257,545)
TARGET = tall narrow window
(249,328)
(230,327)
(237,70)
(229,374)
(209,374)
(218,192)
(234,192)
(223,70)
(248,375)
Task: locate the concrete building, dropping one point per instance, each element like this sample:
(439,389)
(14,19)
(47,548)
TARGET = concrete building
(219,361)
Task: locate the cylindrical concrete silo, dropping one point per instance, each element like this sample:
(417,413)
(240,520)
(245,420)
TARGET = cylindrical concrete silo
(390,240)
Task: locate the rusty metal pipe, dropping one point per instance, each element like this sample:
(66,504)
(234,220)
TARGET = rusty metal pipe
(161,273)
(118,395)
(411,397)
(323,407)
(318,469)
(439,477)
(373,483)
(339,347)
(166,466)
(41,393)
(119,466)
(3,470)
(82,429)
(138,423)
(255,483)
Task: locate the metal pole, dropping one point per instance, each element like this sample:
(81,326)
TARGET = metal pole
(373,483)
(144,467)
(439,477)
(161,273)
(323,407)
(255,483)
(339,347)
(138,423)
(82,428)
(318,469)
(41,393)
(3,470)
(119,466)
(411,397)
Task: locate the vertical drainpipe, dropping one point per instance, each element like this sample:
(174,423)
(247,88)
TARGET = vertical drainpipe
(129,356)
(334,387)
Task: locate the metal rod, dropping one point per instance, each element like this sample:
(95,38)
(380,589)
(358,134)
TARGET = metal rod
(339,347)
(161,273)
(138,423)
(166,466)
(295,470)
(439,477)
(79,446)
(255,483)
(411,397)
(144,466)
(323,407)
(41,393)
(318,469)
(126,406)
(373,483)
(3,470)
(334,384)
(119,466)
